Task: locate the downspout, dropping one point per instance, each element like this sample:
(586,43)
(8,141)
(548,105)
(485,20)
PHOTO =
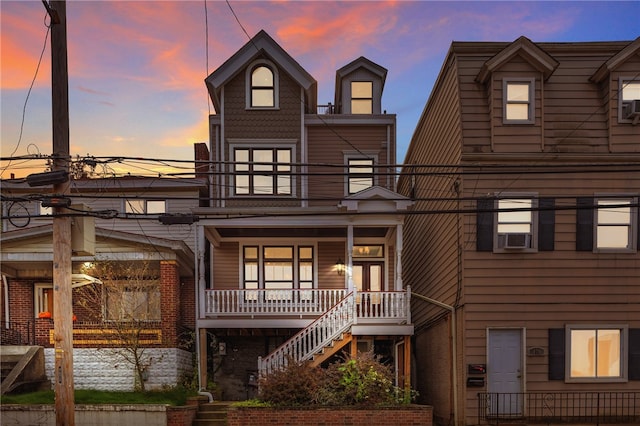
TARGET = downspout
(454,349)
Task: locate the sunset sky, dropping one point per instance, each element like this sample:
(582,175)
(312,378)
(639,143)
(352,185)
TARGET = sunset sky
(137,68)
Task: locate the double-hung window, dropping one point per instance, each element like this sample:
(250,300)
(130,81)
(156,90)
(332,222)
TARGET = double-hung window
(361,97)
(615,224)
(359,174)
(629,100)
(515,223)
(518,101)
(262,171)
(596,353)
(262,87)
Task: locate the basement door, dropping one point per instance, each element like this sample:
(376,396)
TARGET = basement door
(504,372)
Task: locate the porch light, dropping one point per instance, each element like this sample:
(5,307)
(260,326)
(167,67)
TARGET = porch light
(340,266)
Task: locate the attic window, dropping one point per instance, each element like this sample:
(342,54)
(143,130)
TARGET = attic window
(630,100)
(518,101)
(361,97)
(262,87)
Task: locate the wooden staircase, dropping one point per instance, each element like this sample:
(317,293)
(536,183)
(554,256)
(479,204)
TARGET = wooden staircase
(22,369)
(331,349)
(212,414)
(326,335)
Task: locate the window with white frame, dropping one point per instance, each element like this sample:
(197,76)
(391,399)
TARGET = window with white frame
(140,206)
(361,97)
(615,224)
(262,87)
(359,174)
(518,101)
(262,171)
(515,223)
(596,353)
(629,100)
(43,299)
(278,268)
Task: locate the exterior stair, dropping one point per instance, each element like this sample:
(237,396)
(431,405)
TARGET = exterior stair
(331,349)
(212,414)
(22,369)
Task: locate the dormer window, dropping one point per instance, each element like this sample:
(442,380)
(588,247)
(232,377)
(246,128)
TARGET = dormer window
(362,97)
(630,100)
(262,85)
(518,101)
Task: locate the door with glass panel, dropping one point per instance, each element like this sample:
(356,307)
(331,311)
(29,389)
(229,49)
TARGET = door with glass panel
(367,280)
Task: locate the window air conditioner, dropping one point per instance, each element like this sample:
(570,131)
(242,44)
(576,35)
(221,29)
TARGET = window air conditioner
(517,241)
(632,109)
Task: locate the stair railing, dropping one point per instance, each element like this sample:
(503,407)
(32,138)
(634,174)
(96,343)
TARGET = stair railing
(310,340)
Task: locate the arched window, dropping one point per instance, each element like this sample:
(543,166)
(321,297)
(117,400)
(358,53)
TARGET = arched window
(262,87)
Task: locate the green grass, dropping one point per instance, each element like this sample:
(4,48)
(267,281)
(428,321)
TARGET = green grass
(172,396)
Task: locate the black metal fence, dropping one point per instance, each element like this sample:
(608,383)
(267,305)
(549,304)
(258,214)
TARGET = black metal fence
(18,333)
(560,407)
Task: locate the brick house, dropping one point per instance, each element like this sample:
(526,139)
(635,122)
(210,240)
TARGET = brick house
(148,285)
(529,189)
(299,252)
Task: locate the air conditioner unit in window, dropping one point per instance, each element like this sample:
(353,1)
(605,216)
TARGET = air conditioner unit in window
(632,109)
(517,241)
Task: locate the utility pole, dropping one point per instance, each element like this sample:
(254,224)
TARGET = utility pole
(62,269)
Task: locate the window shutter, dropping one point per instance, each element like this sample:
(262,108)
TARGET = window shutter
(556,353)
(634,354)
(484,225)
(546,224)
(584,224)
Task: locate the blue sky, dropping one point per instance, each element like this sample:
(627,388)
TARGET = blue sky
(137,68)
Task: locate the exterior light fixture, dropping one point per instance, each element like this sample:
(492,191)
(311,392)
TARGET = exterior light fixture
(340,267)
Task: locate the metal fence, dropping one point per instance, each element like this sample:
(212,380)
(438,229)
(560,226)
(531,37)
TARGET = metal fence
(560,407)
(18,333)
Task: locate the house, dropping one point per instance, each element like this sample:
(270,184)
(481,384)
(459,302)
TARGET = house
(132,275)
(525,165)
(299,251)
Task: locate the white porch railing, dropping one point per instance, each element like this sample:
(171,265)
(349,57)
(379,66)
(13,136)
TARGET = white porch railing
(270,302)
(353,308)
(311,339)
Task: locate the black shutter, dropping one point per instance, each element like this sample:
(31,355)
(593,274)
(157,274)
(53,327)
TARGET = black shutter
(484,225)
(634,354)
(546,224)
(584,224)
(556,353)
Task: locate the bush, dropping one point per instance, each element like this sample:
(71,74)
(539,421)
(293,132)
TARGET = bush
(361,381)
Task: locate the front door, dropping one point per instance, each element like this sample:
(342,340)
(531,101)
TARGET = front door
(504,372)
(367,279)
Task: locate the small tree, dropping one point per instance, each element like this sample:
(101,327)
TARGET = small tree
(127,302)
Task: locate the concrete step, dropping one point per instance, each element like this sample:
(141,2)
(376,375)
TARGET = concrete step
(212,414)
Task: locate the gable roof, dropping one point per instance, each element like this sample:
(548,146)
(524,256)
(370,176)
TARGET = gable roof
(376,198)
(616,60)
(361,62)
(524,47)
(261,45)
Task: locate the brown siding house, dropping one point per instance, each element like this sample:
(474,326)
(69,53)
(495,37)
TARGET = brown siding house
(525,172)
(299,251)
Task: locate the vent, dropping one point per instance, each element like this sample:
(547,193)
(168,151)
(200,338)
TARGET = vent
(535,351)
(517,241)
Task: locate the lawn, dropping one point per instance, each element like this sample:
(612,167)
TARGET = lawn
(173,396)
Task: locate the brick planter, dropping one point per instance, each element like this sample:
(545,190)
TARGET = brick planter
(412,415)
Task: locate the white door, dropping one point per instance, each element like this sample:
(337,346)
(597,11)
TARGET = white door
(504,372)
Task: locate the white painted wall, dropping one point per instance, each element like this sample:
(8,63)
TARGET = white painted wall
(104,369)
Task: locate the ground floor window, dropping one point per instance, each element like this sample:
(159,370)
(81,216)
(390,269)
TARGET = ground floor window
(596,353)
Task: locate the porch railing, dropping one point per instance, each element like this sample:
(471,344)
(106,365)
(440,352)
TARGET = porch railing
(270,302)
(310,340)
(560,407)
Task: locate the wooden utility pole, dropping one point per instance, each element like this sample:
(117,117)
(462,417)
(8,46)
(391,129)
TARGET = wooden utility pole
(62,296)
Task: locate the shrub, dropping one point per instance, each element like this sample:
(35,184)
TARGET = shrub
(295,385)
(360,380)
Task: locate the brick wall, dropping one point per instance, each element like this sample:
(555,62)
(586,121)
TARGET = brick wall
(169,301)
(405,416)
(188,303)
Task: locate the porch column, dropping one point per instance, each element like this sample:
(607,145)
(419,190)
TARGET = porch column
(202,358)
(200,272)
(169,301)
(398,280)
(407,367)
